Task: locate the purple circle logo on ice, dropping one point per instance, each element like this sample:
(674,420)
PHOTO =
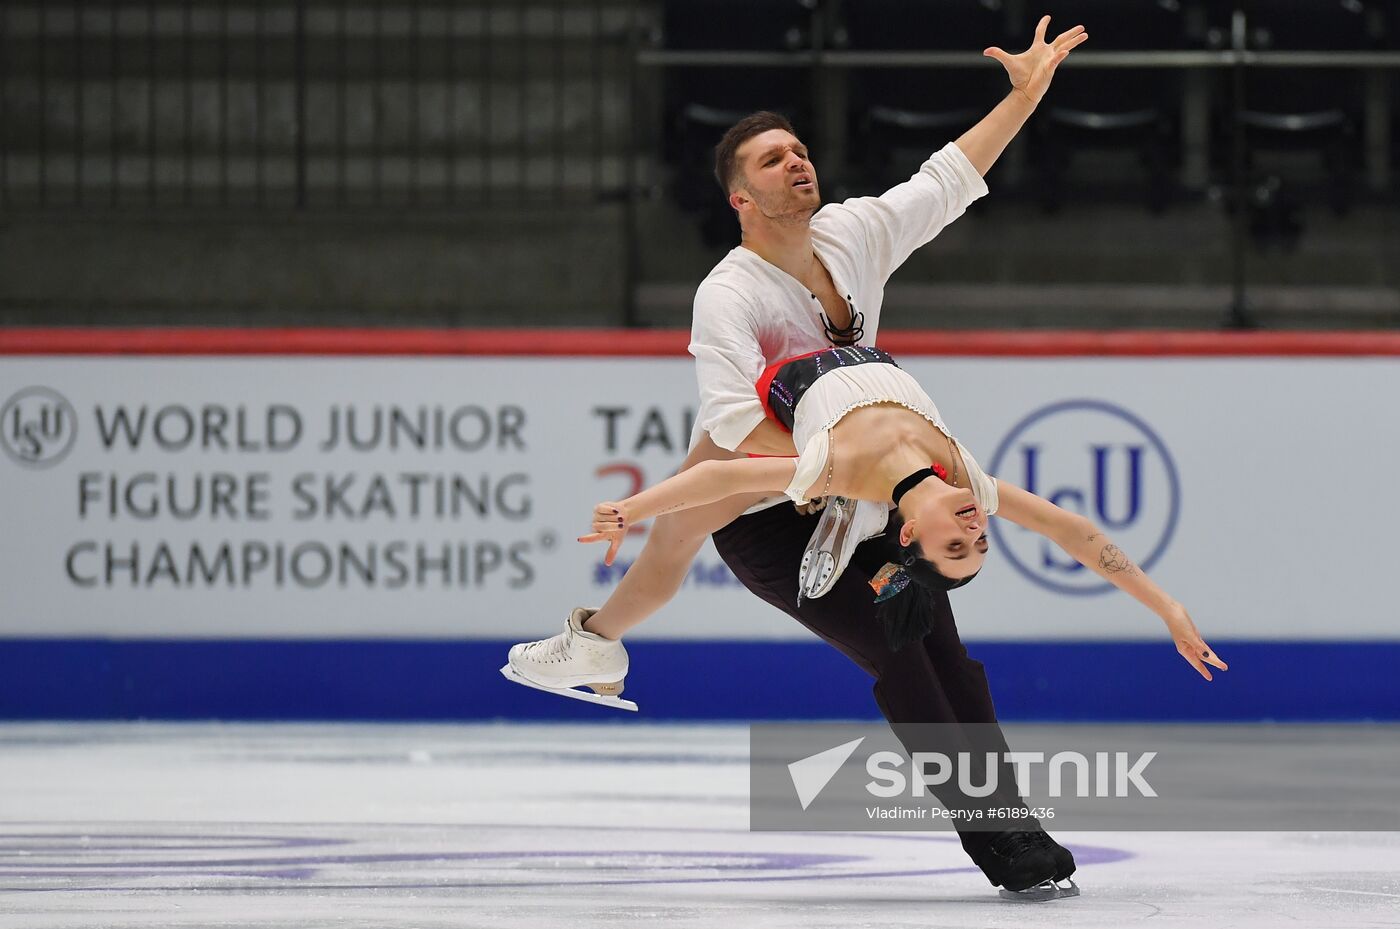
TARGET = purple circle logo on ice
(37,427)
(1097,459)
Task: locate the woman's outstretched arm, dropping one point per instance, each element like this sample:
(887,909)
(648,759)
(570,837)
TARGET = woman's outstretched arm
(702,484)
(1088,544)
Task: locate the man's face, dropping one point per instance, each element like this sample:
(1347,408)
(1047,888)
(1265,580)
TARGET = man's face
(776,179)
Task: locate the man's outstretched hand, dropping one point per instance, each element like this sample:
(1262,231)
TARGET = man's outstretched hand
(1032,70)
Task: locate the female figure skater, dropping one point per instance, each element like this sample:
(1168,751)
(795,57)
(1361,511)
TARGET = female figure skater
(866,430)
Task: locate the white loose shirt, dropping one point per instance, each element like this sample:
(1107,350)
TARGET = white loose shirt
(750,314)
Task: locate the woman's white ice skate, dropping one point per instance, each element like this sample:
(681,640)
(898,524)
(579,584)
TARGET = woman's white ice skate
(574,658)
(843,525)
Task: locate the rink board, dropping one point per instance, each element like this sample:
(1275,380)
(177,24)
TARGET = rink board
(361,526)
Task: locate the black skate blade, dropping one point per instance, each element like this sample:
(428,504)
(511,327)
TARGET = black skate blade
(1042,892)
(587,696)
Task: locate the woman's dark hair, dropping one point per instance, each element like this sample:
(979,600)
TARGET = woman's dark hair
(907,615)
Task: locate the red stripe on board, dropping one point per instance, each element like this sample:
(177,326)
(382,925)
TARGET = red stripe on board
(672,342)
(342,342)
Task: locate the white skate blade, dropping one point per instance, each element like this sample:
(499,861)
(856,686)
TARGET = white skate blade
(1040,893)
(815,576)
(588,696)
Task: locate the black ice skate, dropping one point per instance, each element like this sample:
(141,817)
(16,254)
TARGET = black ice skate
(1064,861)
(1025,869)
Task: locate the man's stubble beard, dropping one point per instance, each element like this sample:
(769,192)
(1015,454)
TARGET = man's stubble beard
(795,214)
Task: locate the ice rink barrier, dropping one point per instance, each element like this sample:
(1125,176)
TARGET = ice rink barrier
(330,524)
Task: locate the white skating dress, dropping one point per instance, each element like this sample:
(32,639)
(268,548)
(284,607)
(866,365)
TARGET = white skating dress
(841,389)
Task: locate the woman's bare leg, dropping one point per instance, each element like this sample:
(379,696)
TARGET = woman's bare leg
(671,546)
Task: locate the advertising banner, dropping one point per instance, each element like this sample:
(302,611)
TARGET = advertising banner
(440,497)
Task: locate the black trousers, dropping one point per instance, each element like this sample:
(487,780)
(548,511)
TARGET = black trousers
(932,681)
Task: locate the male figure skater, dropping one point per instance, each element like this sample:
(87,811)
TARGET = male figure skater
(804,278)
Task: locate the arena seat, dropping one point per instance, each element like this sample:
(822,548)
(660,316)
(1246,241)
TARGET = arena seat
(1291,112)
(899,115)
(1122,112)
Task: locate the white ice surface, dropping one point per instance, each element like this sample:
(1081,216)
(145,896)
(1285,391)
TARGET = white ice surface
(514,826)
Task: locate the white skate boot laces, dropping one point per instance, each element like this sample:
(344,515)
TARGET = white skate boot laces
(554,648)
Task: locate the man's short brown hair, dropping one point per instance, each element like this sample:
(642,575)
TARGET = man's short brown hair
(727,151)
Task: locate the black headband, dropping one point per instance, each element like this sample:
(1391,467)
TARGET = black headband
(908,484)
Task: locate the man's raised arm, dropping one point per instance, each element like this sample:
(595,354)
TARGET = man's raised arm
(1030,73)
(909,215)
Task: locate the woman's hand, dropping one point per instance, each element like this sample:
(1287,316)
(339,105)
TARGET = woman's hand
(610,524)
(1030,72)
(1190,644)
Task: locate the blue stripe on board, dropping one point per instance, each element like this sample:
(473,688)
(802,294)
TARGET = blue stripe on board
(447,680)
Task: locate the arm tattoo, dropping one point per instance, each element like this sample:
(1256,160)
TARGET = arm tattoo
(1113,559)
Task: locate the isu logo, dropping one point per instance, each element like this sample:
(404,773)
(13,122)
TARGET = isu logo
(1097,459)
(37,427)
